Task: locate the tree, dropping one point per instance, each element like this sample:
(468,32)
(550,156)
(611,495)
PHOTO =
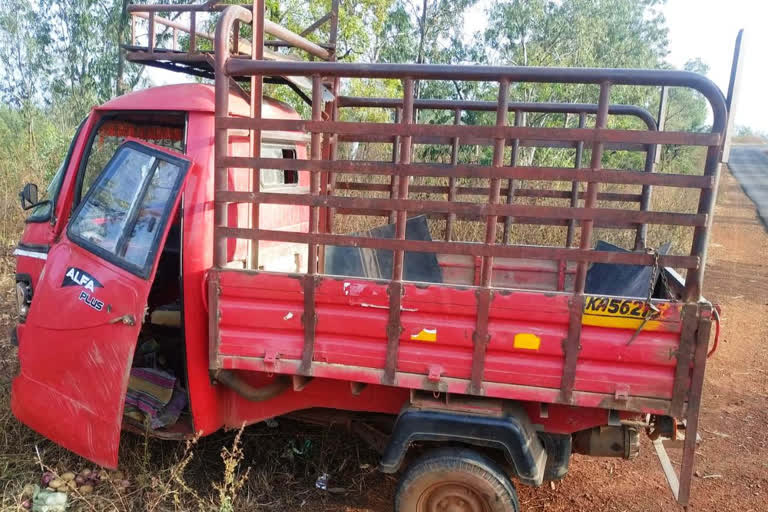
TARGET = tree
(24,64)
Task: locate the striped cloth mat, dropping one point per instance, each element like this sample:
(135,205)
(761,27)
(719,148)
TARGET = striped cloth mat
(154,394)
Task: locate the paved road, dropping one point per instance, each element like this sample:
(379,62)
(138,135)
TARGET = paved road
(749,164)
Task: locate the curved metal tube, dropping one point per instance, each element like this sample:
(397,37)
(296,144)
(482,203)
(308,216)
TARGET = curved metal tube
(221,45)
(245,390)
(490,106)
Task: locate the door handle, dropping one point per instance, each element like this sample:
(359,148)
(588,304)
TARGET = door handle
(125,320)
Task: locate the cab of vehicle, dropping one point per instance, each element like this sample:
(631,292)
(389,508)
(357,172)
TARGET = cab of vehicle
(124,231)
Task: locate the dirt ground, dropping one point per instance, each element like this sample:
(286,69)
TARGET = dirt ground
(732,462)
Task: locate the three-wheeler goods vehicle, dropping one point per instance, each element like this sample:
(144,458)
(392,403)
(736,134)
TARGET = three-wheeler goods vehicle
(206,257)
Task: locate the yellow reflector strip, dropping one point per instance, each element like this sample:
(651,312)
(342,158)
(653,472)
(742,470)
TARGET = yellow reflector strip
(425,335)
(528,341)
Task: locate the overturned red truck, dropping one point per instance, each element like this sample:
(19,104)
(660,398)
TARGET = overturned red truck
(243,260)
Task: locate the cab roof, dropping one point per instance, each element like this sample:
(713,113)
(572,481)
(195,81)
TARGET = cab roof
(193,98)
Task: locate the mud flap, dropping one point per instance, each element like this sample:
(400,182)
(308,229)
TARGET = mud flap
(512,434)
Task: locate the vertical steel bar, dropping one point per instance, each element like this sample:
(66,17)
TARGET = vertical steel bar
(257,92)
(495,184)
(310,279)
(695,276)
(175,44)
(641,233)
(481,336)
(221,134)
(395,180)
(585,242)
(394,327)
(236,38)
(575,184)
(694,403)
(511,184)
(151,32)
(689,323)
(451,219)
(192,32)
(651,159)
(332,155)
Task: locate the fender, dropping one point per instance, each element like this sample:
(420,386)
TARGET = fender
(512,434)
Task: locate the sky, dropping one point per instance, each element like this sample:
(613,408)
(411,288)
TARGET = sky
(708,29)
(698,28)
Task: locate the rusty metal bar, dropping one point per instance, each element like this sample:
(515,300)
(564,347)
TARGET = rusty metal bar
(481,336)
(317,24)
(585,240)
(510,192)
(490,106)
(637,77)
(468,249)
(571,347)
(394,326)
(333,146)
(192,32)
(602,223)
(467,208)
(470,133)
(151,33)
(334,28)
(310,316)
(480,171)
(483,191)
(451,219)
(694,279)
(256,99)
(651,159)
(394,180)
(689,323)
(575,195)
(704,322)
(270,27)
(471,140)
(236,36)
(223,29)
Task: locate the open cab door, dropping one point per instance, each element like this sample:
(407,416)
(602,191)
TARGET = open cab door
(77,345)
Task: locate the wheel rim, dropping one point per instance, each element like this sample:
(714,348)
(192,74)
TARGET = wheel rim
(451,497)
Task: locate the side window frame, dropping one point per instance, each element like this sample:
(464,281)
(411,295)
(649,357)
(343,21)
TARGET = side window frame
(287,153)
(51,205)
(145,270)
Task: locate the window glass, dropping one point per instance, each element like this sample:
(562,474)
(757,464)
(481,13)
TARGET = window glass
(43,211)
(105,213)
(138,245)
(274,178)
(125,211)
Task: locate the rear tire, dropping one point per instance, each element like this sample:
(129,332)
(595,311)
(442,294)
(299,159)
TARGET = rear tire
(455,480)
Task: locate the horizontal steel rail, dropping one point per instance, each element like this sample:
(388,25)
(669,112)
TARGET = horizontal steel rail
(474,171)
(475,132)
(490,106)
(461,248)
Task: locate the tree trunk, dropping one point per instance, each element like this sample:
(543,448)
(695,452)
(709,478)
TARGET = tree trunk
(420,54)
(122,23)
